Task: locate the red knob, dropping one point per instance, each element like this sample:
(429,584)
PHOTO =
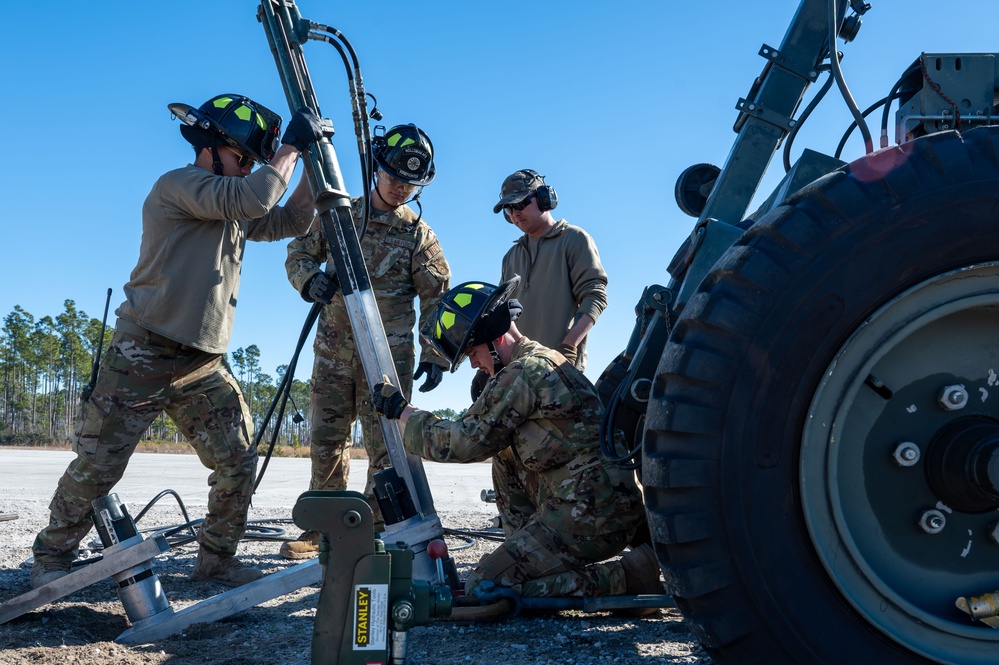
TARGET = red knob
(437,549)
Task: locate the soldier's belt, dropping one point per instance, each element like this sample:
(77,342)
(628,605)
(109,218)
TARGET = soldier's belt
(130,328)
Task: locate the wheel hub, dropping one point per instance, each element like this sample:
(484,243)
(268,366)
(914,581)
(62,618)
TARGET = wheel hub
(962,465)
(900,465)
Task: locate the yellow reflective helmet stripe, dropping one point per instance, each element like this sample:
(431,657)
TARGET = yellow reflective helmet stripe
(394,139)
(463,299)
(244,112)
(222,102)
(447,318)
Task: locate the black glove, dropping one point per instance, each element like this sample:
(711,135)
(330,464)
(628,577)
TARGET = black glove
(479,382)
(387,399)
(321,288)
(304,129)
(434,376)
(516,309)
(569,351)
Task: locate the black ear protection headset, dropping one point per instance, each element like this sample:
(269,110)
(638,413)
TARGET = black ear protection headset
(545,194)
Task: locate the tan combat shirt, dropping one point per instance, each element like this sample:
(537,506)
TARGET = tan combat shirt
(561,283)
(195,225)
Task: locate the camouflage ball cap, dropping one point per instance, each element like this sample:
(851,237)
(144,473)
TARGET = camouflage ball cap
(517,187)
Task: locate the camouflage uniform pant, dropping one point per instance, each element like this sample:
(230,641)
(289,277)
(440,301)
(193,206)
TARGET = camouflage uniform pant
(340,394)
(142,375)
(538,559)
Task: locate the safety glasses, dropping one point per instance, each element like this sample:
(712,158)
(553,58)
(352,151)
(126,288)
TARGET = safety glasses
(241,157)
(523,203)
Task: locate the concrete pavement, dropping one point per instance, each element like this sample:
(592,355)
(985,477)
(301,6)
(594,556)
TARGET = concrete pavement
(33,474)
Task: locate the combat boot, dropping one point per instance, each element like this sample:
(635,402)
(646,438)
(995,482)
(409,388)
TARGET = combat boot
(641,571)
(43,572)
(306,547)
(224,569)
(641,576)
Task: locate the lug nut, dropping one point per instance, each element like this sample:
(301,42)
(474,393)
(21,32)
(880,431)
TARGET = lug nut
(994,532)
(906,454)
(953,398)
(933,521)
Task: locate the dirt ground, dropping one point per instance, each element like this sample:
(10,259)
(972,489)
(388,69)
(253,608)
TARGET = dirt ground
(81,629)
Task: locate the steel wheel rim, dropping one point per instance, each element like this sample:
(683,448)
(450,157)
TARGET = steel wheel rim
(860,533)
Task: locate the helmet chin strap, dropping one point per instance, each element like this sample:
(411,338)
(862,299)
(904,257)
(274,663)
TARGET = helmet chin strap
(216,161)
(379,195)
(415,199)
(497,363)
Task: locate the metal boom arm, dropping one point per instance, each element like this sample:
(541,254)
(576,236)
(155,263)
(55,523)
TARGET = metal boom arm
(286,31)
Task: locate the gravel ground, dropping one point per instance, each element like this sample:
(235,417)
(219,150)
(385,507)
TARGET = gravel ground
(81,628)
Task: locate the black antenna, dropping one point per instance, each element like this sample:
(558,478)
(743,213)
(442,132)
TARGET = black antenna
(89,388)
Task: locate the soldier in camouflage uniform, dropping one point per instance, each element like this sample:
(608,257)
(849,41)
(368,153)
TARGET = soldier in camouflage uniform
(405,261)
(175,324)
(564,507)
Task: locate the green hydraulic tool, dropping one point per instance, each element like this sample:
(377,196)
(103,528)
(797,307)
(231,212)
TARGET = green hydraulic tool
(369,599)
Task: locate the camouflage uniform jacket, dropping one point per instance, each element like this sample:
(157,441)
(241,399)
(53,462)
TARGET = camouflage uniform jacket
(561,283)
(195,225)
(549,414)
(404,260)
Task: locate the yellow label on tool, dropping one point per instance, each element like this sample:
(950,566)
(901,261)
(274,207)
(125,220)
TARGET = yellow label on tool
(370,617)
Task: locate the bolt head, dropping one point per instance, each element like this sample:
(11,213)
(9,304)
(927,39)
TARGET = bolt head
(352,518)
(953,398)
(403,612)
(906,454)
(932,521)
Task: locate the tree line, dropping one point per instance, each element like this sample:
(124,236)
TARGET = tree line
(46,363)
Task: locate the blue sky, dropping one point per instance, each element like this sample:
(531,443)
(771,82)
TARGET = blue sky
(610,101)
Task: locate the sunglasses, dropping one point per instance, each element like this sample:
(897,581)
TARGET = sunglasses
(241,157)
(523,203)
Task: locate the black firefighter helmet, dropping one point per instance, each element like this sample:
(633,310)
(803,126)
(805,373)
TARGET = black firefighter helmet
(233,120)
(405,153)
(471,313)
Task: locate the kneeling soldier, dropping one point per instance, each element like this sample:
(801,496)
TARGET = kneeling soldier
(564,506)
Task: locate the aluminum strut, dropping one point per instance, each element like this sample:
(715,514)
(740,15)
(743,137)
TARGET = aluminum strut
(286,32)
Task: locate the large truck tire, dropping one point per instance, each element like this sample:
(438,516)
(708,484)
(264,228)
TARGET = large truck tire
(817,492)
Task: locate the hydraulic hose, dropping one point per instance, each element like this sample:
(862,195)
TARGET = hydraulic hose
(893,95)
(631,459)
(358,102)
(284,391)
(801,121)
(841,81)
(846,135)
